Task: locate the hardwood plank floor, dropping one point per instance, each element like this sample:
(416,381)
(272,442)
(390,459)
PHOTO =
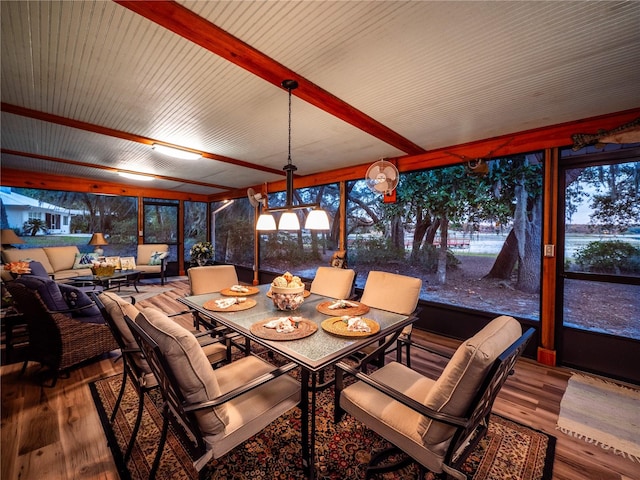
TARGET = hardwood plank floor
(55,433)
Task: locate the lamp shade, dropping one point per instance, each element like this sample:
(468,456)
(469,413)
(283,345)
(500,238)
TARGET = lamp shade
(9,237)
(97,240)
(266,222)
(317,220)
(289,221)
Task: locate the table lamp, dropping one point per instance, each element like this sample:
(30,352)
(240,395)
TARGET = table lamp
(9,238)
(98,241)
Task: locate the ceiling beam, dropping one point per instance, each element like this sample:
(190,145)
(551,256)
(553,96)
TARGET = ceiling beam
(187,24)
(89,127)
(109,169)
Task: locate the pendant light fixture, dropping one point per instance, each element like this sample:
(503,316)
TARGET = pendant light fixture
(317,219)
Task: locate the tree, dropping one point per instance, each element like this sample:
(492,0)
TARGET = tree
(33,226)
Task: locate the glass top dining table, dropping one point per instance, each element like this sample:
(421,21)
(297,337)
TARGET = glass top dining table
(313,353)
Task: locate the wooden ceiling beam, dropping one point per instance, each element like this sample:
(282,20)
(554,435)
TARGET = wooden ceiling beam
(109,169)
(18,178)
(187,24)
(110,132)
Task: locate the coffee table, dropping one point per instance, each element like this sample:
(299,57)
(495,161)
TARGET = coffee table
(107,282)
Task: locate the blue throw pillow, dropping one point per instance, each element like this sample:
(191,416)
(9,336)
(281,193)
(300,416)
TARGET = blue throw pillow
(48,290)
(38,269)
(76,298)
(157,257)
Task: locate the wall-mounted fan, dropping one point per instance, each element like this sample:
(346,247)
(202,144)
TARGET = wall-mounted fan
(255,198)
(382,177)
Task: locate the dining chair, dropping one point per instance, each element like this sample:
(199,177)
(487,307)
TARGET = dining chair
(436,423)
(114,309)
(210,279)
(334,282)
(394,293)
(215,410)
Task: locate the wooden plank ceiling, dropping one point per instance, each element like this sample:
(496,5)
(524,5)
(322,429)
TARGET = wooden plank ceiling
(88,86)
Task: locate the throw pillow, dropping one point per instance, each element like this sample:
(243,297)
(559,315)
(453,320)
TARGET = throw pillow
(38,269)
(157,257)
(48,290)
(113,261)
(85,260)
(76,298)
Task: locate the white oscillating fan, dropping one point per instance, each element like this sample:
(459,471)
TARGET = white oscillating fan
(382,177)
(255,198)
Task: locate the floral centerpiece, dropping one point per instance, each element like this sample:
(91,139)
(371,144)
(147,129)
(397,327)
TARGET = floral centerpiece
(201,252)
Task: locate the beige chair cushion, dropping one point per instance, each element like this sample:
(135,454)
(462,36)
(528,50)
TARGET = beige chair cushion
(146,249)
(391,292)
(189,364)
(36,254)
(455,388)
(211,278)
(61,258)
(333,282)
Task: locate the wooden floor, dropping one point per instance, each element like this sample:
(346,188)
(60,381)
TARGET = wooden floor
(55,433)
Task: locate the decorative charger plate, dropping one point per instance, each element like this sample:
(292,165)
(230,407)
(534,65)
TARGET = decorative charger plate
(304,329)
(236,307)
(358,309)
(305,294)
(337,326)
(230,293)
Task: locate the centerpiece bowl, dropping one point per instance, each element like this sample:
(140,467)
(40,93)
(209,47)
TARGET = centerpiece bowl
(287,298)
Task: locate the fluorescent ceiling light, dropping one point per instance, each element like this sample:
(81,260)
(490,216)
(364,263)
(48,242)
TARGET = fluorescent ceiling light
(176,152)
(135,176)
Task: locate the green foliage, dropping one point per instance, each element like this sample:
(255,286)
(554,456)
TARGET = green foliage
(284,247)
(33,226)
(374,251)
(613,257)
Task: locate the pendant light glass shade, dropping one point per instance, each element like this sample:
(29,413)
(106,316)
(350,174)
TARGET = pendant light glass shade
(266,222)
(289,221)
(317,220)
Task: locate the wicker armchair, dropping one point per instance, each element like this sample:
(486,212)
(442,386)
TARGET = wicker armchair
(57,339)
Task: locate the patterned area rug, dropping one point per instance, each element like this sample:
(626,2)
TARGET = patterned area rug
(509,451)
(603,413)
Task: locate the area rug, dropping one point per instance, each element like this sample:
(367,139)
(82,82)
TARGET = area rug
(509,450)
(603,413)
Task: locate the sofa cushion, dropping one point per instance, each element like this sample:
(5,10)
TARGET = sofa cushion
(27,255)
(84,260)
(76,298)
(61,258)
(48,290)
(189,364)
(459,382)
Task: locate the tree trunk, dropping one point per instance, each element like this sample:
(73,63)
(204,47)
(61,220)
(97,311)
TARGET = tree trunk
(422,225)
(397,232)
(529,265)
(442,252)
(506,260)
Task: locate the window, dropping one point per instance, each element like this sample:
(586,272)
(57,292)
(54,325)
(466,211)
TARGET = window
(490,223)
(303,251)
(195,226)
(233,233)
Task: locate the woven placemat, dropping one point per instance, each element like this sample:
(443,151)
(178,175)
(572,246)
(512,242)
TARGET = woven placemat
(305,328)
(305,294)
(358,309)
(337,326)
(236,307)
(230,293)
